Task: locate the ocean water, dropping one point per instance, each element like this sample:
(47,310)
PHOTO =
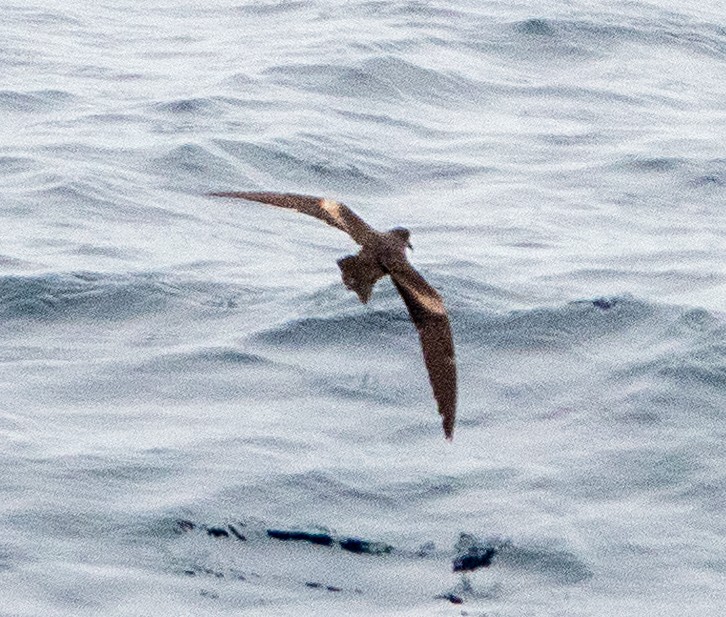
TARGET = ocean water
(178,373)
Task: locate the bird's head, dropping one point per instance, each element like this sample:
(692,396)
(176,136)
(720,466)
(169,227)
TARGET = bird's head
(402,235)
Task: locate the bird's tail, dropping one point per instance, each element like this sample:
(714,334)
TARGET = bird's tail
(360,274)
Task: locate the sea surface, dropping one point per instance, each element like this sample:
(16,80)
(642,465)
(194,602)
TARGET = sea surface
(197,418)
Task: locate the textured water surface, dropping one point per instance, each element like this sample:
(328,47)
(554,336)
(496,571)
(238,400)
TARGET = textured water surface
(197,418)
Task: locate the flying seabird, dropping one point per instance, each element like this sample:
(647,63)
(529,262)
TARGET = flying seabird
(385,253)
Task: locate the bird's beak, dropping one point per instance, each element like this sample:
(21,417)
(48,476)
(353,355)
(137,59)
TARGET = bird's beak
(409,245)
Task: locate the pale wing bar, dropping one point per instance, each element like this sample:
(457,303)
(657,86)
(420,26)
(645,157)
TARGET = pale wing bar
(332,212)
(429,315)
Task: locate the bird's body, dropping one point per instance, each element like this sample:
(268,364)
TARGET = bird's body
(381,254)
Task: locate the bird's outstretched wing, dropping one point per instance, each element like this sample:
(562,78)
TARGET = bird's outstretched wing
(429,315)
(332,212)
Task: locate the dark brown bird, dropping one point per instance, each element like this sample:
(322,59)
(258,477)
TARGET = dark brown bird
(385,253)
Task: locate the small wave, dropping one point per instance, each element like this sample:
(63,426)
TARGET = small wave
(712,175)
(190,106)
(316,160)
(41,17)
(243,81)
(408,8)
(98,296)
(54,296)
(561,327)
(710,180)
(348,388)
(7,558)
(709,174)
(704,366)
(560,565)
(96,199)
(200,361)
(536,27)
(12,263)
(304,163)
(273,8)
(559,139)
(539,328)
(469,554)
(353,329)
(388,122)
(381,78)
(16,165)
(624,472)
(652,164)
(335,80)
(37,101)
(196,166)
(112,252)
(421,83)
(539,37)
(583,38)
(75,195)
(678,374)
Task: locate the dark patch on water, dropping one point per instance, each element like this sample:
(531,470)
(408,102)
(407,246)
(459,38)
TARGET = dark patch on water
(473,554)
(350,544)
(451,597)
(186,526)
(604,304)
(332,588)
(183,526)
(198,569)
(364,547)
(322,539)
(470,553)
(236,533)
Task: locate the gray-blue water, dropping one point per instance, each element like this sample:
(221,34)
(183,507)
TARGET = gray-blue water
(169,357)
